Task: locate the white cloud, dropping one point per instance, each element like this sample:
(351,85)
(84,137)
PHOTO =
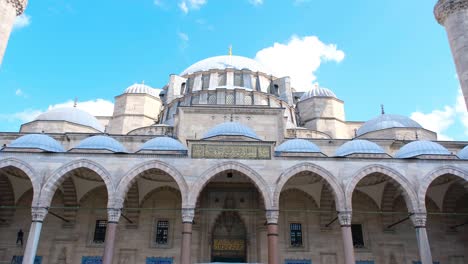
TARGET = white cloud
(442,120)
(20,93)
(187,5)
(256,2)
(158,2)
(184,40)
(183,36)
(299,58)
(22,21)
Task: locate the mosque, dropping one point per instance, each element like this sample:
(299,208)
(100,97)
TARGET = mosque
(229,163)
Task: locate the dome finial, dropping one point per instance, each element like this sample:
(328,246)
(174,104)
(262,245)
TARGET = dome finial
(382,109)
(230,50)
(75,103)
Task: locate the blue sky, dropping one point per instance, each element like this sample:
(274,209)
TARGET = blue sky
(368,52)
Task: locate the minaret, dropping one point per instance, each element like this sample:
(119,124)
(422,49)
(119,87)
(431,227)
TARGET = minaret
(453,15)
(9,9)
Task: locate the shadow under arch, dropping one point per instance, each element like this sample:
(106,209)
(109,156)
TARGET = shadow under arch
(404,184)
(28,171)
(131,176)
(206,176)
(433,175)
(59,175)
(315,169)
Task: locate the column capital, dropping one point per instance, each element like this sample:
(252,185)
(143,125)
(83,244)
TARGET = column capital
(19,5)
(345,218)
(39,213)
(419,220)
(445,8)
(272,216)
(188,214)
(113,215)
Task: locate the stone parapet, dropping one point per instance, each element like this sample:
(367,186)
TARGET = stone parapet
(445,8)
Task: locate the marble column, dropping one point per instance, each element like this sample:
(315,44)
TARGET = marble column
(186,249)
(345,223)
(38,216)
(419,222)
(453,15)
(272,224)
(113,215)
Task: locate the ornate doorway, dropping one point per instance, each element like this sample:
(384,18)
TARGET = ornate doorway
(229,239)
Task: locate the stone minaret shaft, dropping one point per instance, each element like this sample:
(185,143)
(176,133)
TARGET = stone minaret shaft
(453,15)
(9,9)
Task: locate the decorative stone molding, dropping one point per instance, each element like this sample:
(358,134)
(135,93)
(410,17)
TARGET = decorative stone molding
(419,220)
(345,218)
(39,213)
(188,214)
(272,216)
(444,8)
(19,5)
(113,215)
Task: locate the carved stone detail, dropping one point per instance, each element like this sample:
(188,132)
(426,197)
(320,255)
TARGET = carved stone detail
(445,8)
(419,220)
(272,216)
(187,215)
(39,213)
(345,218)
(113,215)
(19,5)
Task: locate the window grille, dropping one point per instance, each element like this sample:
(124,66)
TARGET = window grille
(205,81)
(296,234)
(238,79)
(100,231)
(162,232)
(230,98)
(222,79)
(212,99)
(247,100)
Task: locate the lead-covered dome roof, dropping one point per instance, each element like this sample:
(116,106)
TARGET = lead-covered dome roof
(141,88)
(358,146)
(230,129)
(163,144)
(297,145)
(318,91)
(226,62)
(463,154)
(387,121)
(101,143)
(421,147)
(72,115)
(36,141)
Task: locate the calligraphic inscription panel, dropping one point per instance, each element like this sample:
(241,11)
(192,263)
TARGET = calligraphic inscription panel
(228,245)
(215,151)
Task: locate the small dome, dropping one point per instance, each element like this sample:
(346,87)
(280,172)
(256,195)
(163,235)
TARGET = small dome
(139,88)
(37,141)
(163,143)
(72,115)
(226,62)
(387,121)
(101,143)
(231,129)
(421,147)
(463,154)
(317,91)
(358,146)
(297,145)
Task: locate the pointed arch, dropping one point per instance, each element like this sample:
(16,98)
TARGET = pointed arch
(26,169)
(402,183)
(207,175)
(431,176)
(131,176)
(59,176)
(310,167)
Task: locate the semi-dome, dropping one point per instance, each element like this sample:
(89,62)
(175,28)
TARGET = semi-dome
(36,141)
(358,146)
(164,144)
(101,143)
(318,91)
(226,62)
(141,88)
(231,129)
(463,154)
(72,115)
(297,145)
(421,147)
(387,121)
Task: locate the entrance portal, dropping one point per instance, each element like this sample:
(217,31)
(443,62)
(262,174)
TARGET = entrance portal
(229,239)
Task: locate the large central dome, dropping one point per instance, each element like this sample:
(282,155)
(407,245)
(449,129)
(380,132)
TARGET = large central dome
(226,62)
